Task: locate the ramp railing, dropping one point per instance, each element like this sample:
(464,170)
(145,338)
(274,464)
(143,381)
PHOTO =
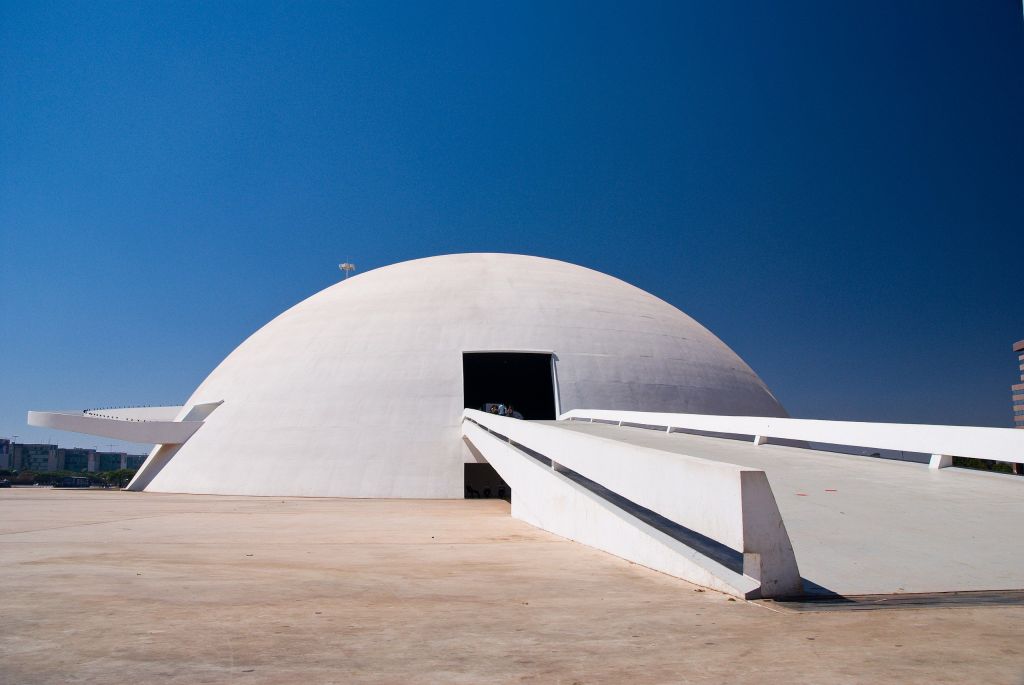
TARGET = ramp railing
(942,442)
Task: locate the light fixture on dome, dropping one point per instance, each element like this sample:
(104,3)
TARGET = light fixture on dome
(347,267)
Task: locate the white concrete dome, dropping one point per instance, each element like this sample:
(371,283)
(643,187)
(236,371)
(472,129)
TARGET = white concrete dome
(358,390)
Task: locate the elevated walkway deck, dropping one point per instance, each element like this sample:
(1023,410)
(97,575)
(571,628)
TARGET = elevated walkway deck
(154,425)
(862,525)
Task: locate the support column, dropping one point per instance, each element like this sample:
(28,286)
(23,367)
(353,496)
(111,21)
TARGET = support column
(940,461)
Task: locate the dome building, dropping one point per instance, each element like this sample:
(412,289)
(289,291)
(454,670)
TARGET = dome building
(358,391)
(373,388)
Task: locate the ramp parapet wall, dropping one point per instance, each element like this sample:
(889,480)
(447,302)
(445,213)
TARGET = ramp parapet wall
(729,505)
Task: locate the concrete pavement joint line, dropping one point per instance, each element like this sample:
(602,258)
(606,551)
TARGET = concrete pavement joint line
(82,525)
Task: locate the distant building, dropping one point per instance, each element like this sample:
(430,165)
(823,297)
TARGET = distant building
(1017,389)
(74,459)
(35,457)
(110,461)
(43,458)
(1017,396)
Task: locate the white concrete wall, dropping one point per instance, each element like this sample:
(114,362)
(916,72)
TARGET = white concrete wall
(357,391)
(729,504)
(552,502)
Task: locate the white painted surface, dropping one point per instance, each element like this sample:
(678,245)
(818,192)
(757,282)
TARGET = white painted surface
(357,391)
(161,454)
(1001,444)
(549,500)
(729,504)
(862,525)
(154,431)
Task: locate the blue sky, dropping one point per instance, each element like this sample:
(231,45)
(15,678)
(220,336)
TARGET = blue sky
(832,188)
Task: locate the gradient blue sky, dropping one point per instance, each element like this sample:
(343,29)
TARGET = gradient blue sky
(835,189)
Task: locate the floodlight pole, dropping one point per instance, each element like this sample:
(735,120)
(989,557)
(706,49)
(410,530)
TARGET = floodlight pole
(347,267)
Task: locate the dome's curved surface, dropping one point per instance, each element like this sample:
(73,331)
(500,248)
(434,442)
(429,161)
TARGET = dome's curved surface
(357,391)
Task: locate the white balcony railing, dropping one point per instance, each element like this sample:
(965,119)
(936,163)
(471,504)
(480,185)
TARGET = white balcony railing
(154,425)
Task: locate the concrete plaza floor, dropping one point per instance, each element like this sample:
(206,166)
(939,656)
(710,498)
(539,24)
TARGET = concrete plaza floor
(115,587)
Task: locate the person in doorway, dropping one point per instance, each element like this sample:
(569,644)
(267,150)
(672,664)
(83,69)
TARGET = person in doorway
(510,412)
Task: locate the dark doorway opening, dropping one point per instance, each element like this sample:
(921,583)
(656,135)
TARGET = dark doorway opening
(522,379)
(483,482)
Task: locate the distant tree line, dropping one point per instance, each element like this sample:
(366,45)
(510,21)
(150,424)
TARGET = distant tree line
(106,479)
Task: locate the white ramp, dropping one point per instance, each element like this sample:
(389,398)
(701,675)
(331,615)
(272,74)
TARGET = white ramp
(867,526)
(710,523)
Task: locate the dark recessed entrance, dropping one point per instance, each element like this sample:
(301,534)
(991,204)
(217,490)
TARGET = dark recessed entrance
(483,482)
(522,379)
